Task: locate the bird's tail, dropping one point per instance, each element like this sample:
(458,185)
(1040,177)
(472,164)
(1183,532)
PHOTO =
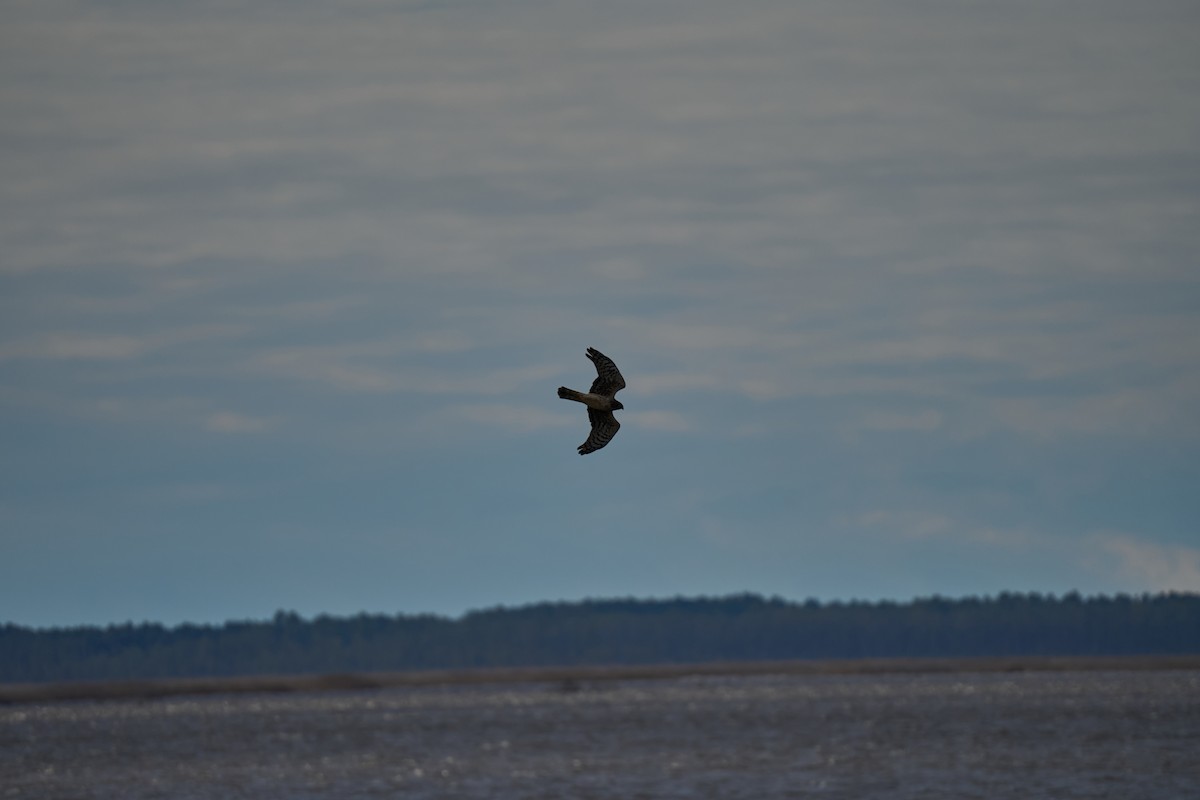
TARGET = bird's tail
(569,394)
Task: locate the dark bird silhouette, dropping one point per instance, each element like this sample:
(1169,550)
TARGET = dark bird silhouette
(600,401)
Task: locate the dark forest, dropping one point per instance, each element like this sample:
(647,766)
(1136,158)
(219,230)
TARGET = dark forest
(613,632)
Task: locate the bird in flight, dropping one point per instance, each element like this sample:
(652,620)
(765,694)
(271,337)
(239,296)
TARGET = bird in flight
(600,401)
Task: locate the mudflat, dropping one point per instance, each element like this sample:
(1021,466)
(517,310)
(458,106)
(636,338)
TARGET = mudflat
(571,676)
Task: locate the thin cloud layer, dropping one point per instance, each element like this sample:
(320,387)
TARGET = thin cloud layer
(849,257)
(1148,564)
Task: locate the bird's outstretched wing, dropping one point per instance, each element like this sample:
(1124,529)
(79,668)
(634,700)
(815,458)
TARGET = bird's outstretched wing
(608,381)
(604,428)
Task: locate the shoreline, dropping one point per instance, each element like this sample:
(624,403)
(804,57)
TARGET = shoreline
(570,676)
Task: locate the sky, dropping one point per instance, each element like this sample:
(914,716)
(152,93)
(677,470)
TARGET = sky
(906,296)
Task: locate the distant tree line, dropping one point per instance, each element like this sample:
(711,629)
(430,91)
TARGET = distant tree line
(595,632)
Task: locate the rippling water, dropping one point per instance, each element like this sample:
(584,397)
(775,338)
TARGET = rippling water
(1060,735)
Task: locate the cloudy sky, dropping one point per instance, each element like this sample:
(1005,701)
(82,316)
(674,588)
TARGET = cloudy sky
(907,297)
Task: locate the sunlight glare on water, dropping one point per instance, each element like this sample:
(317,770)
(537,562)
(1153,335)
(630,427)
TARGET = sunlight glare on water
(1020,735)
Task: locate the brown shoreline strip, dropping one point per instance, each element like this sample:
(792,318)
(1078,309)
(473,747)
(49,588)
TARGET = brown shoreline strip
(169,687)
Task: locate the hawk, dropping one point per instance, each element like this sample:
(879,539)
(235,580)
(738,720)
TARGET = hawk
(600,401)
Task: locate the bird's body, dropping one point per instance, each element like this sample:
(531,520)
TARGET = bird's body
(601,401)
(596,401)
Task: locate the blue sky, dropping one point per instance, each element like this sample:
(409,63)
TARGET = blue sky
(906,295)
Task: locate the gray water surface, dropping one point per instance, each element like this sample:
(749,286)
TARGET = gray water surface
(1021,735)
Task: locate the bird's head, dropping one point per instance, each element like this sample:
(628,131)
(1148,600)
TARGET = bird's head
(618,405)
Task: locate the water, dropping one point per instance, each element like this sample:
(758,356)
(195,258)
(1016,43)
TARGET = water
(1021,735)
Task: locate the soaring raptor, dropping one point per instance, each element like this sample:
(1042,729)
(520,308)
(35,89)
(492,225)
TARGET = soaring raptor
(600,401)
